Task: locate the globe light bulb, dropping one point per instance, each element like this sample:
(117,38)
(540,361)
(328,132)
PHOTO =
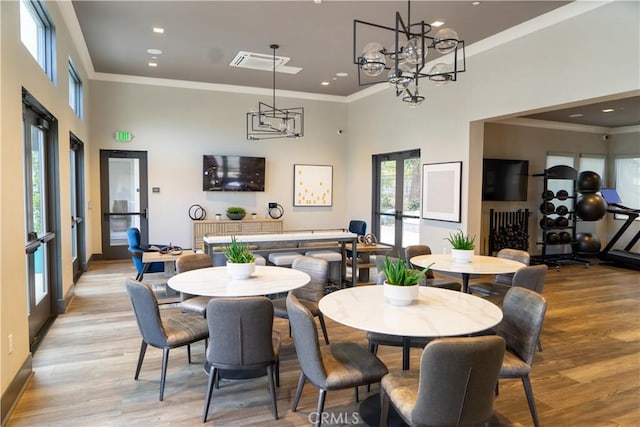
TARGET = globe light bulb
(373,61)
(440,74)
(445,40)
(413,52)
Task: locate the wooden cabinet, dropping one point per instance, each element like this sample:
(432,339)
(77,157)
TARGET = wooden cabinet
(226,227)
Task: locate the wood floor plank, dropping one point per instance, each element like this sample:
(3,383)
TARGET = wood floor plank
(587,375)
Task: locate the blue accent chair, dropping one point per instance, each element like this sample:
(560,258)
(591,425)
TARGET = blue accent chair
(358,227)
(136,251)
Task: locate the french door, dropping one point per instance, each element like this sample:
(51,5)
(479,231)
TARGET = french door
(41,218)
(396,200)
(76,169)
(124,199)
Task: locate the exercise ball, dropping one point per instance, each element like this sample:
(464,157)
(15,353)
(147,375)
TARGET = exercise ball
(565,237)
(562,210)
(546,222)
(553,237)
(547,195)
(586,243)
(588,182)
(561,222)
(591,207)
(547,207)
(562,194)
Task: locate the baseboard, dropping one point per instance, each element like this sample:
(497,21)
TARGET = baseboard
(15,390)
(62,304)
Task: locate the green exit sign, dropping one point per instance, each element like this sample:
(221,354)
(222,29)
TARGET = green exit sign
(123,136)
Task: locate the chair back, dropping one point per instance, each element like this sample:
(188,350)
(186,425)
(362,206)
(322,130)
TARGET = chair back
(305,339)
(188,262)
(531,277)
(523,313)
(415,250)
(145,308)
(318,269)
(515,255)
(358,227)
(133,237)
(458,377)
(240,332)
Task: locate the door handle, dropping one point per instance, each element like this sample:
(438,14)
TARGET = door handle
(145,213)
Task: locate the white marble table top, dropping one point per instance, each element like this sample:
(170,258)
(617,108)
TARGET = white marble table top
(480,264)
(437,313)
(215,282)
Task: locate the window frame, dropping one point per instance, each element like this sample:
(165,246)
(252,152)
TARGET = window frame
(46,40)
(75,90)
(625,185)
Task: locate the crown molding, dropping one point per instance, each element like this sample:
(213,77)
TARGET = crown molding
(546,124)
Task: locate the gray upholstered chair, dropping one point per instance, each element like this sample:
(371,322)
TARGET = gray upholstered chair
(497,286)
(454,386)
(531,277)
(332,367)
(429,279)
(523,314)
(193,303)
(241,337)
(165,332)
(310,294)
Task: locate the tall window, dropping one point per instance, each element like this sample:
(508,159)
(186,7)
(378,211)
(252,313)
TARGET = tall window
(628,181)
(75,90)
(594,163)
(37,33)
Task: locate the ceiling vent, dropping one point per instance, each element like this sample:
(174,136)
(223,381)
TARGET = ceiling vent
(260,61)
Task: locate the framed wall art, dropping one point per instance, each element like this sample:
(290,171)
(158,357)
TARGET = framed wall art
(312,185)
(441,191)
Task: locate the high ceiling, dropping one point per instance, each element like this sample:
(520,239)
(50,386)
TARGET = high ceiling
(201,38)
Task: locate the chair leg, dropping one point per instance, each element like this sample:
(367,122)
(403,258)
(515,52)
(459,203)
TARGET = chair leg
(143,350)
(324,328)
(277,373)
(189,353)
(320,408)
(356,394)
(539,344)
(163,374)
(296,399)
(526,382)
(272,391)
(384,408)
(213,373)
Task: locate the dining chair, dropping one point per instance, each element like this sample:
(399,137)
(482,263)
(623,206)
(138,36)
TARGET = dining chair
(332,367)
(429,279)
(136,249)
(241,338)
(164,332)
(487,288)
(193,303)
(310,294)
(453,386)
(523,314)
(358,227)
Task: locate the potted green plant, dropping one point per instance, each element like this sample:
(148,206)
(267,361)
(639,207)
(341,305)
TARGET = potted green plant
(401,282)
(235,212)
(240,261)
(462,246)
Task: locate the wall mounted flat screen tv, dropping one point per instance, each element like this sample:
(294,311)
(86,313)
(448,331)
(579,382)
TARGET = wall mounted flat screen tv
(505,180)
(233,173)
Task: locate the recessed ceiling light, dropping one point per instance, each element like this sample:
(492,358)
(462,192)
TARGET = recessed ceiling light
(154,51)
(475,3)
(158,30)
(342,74)
(575,115)
(608,110)
(325,83)
(317,1)
(437,24)
(152,64)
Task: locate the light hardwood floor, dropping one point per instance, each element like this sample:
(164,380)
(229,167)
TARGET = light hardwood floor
(587,375)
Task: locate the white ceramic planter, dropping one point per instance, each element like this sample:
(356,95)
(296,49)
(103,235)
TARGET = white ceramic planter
(400,295)
(240,271)
(462,256)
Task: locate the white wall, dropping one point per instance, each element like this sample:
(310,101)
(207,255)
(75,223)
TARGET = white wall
(177,126)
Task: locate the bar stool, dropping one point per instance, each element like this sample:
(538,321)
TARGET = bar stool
(335,263)
(283,259)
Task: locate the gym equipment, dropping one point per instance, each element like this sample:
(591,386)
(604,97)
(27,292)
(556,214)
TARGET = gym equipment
(547,195)
(588,182)
(586,243)
(565,237)
(562,195)
(620,256)
(591,207)
(560,222)
(547,208)
(553,237)
(546,222)
(562,210)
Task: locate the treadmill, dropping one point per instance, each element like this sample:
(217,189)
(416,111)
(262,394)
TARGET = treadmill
(624,256)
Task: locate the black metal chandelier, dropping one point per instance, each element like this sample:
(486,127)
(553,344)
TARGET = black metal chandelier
(270,122)
(406,61)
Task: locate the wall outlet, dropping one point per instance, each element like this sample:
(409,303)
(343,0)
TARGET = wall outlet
(10,343)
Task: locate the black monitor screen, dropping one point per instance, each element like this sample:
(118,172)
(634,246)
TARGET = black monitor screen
(233,173)
(505,180)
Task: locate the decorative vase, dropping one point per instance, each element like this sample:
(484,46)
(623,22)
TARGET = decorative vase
(400,295)
(235,216)
(462,256)
(240,271)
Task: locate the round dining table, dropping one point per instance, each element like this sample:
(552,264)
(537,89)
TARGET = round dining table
(480,264)
(216,281)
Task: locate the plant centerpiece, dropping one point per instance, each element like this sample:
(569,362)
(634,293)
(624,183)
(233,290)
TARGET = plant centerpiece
(462,246)
(235,212)
(240,261)
(401,282)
